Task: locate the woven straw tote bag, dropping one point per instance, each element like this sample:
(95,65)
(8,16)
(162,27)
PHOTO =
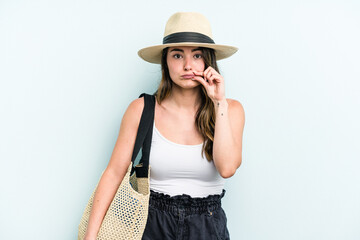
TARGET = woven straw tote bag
(127,214)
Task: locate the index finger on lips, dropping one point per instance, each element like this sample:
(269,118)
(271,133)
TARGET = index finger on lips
(201,80)
(198,73)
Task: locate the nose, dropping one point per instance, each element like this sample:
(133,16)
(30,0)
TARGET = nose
(187,64)
(187,68)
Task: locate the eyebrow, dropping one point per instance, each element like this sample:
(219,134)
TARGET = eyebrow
(180,50)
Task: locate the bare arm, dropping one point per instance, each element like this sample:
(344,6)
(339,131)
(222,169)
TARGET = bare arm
(229,123)
(117,167)
(229,126)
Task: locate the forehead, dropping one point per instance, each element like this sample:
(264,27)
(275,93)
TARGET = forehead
(184,48)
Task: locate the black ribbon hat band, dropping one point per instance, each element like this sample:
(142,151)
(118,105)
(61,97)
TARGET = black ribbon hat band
(187,37)
(190,29)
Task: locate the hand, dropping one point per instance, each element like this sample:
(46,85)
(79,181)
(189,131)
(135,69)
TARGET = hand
(213,83)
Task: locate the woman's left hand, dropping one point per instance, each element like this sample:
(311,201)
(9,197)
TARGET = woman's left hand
(213,83)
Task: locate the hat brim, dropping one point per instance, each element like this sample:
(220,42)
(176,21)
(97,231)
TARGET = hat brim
(153,54)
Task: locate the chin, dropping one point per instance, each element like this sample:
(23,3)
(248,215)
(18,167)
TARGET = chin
(189,85)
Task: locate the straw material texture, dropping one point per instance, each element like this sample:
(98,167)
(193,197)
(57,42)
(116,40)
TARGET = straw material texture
(127,214)
(186,22)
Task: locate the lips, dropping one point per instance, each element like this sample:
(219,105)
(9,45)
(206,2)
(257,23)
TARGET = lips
(187,76)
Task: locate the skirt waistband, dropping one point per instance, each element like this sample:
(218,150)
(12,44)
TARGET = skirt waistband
(185,203)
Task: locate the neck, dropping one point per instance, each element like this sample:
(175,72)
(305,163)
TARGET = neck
(185,99)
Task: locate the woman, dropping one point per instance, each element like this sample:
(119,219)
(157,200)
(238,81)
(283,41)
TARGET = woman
(197,138)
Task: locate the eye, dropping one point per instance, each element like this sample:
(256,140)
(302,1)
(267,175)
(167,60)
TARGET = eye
(176,55)
(198,55)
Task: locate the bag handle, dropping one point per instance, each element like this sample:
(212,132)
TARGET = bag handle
(144,137)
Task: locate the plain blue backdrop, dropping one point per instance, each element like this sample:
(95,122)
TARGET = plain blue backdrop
(69,69)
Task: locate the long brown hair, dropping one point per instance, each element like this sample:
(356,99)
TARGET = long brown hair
(205,115)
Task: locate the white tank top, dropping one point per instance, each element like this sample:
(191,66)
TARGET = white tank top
(178,169)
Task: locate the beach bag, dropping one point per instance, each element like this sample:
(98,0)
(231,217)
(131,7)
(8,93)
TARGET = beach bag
(127,214)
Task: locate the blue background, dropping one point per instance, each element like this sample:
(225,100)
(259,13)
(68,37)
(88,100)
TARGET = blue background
(69,69)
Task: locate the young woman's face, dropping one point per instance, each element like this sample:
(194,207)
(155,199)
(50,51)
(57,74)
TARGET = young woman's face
(182,61)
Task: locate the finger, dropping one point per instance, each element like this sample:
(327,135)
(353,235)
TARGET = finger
(212,79)
(201,80)
(207,71)
(216,78)
(211,69)
(198,73)
(209,74)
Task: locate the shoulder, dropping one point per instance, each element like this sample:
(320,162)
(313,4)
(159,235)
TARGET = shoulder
(235,106)
(121,156)
(133,112)
(236,109)
(136,106)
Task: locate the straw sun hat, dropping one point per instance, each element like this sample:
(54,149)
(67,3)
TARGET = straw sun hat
(186,29)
